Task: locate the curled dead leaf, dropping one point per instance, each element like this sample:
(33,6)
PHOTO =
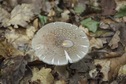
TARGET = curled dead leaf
(4,16)
(43,75)
(110,67)
(21,14)
(96,43)
(114,41)
(13,70)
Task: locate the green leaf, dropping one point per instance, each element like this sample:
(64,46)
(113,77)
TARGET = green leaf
(43,19)
(90,24)
(79,9)
(122,12)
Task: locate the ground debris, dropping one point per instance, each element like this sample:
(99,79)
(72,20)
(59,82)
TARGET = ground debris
(13,70)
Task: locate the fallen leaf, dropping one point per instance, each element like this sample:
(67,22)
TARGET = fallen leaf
(60,82)
(20,38)
(120,4)
(38,4)
(65,16)
(90,24)
(96,43)
(104,33)
(84,29)
(83,81)
(110,67)
(7,50)
(105,68)
(21,14)
(36,23)
(108,7)
(83,65)
(12,3)
(103,25)
(79,8)
(122,28)
(43,19)
(122,71)
(13,70)
(121,12)
(115,82)
(115,40)
(74,79)
(4,16)
(62,72)
(43,75)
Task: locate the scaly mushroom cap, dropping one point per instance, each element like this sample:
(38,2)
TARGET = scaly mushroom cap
(59,43)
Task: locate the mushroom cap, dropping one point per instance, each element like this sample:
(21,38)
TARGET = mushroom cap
(60,43)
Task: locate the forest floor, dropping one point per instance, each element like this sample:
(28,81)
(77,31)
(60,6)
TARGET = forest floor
(103,21)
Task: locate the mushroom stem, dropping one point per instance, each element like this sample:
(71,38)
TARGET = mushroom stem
(67,43)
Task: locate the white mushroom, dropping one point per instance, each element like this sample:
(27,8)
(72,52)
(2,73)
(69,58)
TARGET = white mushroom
(60,43)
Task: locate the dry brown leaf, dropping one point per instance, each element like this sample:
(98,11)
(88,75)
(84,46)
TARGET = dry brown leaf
(4,16)
(110,67)
(122,71)
(108,7)
(104,25)
(36,23)
(43,75)
(105,68)
(7,50)
(13,70)
(84,29)
(21,38)
(21,14)
(120,4)
(84,65)
(60,82)
(65,16)
(115,40)
(62,72)
(96,43)
(122,29)
(38,4)
(12,3)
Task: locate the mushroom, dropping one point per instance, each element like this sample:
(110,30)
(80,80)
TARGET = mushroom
(60,43)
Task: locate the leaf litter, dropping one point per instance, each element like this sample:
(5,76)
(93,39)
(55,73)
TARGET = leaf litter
(103,22)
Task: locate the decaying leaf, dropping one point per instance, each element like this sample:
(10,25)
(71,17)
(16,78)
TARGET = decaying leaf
(4,16)
(110,67)
(96,43)
(83,65)
(122,71)
(90,24)
(114,41)
(104,25)
(108,7)
(7,50)
(38,4)
(20,39)
(120,4)
(84,29)
(12,3)
(21,14)
(65,15)
(105,68)
(13,69)
(121,12)
(60,82)
(79,8)
(43,19)
(74,79)
(43,75)
(62,72)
